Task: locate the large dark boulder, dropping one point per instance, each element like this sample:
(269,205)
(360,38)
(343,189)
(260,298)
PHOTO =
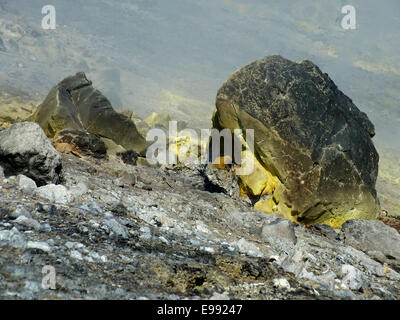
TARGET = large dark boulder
(75,104)
(309,135)
(25,149)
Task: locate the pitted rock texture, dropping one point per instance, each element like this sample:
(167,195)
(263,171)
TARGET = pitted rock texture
(79,143)
(308,134)
(75,104)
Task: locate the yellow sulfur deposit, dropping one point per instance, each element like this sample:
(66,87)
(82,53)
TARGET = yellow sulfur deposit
(260,181)
(176,144)
(222,162)
(266,206)
(187,148)
(160,119)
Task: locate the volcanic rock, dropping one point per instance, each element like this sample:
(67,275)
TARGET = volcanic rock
(308,135)
(374,237)
(75,104)
(80,143)
(25,149)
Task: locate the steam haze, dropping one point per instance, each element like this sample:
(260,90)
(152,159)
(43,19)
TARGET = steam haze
(158,55)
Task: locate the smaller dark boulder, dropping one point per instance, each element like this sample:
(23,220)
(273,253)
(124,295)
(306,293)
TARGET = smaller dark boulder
(80,143)
(75,104)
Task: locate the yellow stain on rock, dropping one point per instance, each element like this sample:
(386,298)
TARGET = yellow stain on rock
(260,181)
(187,148)
(162,119)
(266,206)
(176,144)
(335,223)
(221,163)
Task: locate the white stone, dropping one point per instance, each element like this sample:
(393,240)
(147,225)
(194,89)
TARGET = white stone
(28,222)
(26,184)
(38,245)
(16,239)
(76,255)
(220,296)
(281,283)
(248,247)
(55,193)
(4,235)
(20,211)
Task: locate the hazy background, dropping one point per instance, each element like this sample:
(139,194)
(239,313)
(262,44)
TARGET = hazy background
(172,55)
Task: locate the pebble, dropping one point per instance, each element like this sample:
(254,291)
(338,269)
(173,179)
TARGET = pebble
(116,228)
(28,222)
(41,245)
(45,227)
(248,247)
(16,239)
(26,184)
(220,296)
(281,283)
(55,193)
(20,211)
(76,255)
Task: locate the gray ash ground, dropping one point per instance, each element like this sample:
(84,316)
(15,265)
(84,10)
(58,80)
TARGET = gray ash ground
(136,232)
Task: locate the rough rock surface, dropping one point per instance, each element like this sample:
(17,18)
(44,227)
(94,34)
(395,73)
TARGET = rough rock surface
(221,181)
(79,143)
(26,184)
(374,237)
(309,135)
(128,157)
(135,232)
(75,104)
(55,193)
(25,149)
